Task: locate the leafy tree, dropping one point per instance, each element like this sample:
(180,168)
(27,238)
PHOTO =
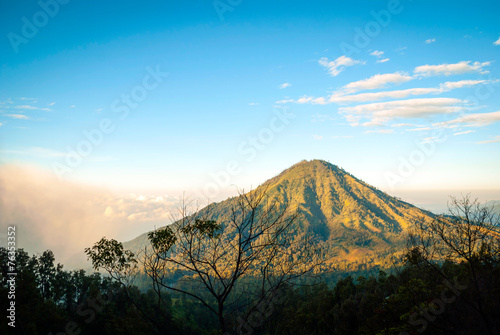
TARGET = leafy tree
(259,239)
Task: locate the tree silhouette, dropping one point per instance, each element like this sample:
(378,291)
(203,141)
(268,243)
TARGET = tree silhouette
(257,249)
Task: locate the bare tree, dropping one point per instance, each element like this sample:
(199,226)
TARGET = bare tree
(469,235)
(255,248)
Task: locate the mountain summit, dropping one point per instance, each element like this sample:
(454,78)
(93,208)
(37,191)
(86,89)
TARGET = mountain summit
(331,199)
(360,225)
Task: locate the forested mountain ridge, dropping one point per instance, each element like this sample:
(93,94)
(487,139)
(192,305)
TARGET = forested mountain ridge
(358,225)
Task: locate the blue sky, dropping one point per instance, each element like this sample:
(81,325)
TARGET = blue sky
(199,96)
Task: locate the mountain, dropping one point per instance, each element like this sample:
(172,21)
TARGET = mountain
(359,225)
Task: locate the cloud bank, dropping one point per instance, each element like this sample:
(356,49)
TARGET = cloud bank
(66,218)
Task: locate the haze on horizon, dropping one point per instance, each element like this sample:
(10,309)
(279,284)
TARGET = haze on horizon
(109,112)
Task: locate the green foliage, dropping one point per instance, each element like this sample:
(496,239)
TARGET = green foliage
(201,228)
(162,240)
(410,300)
(48,297)
(357,226)
(109,254)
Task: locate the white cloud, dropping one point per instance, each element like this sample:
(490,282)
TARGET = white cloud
(317,137)
(472,120)
(321,118)
(497,42)
(400,50)
(47,153)
(32,108)
(420,128)
(382,131)
(340,97)
(430,40)
(285,85)
(377,53)
(400,94)
(37,151)
(336,66)
(305,99)
(72,106)
(52,104)
(451,85)
(18,116)
(377,81)
(364,97)
(1,124)
(383,60)
(284,101)
(497,139)
(384,112)
(431,139)
(464,132)
(401,125)
(451,69)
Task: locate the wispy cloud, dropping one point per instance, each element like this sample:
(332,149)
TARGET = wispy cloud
(464,132)
(285,85)
(381,131)
(451,69)
(382,113)
(383,60)
(430,40)
(321,118)
(496,139)
(419,128)
(497,42)
(18,116)
(29,107)
(46,153)
(317,137)
(37,152)
(401,125)
(340,96)
(52,104)
(377,53)
(338,65)
(400,50)
(284,101)
(471,120)
(431,139)
(365,97)
(377,81)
